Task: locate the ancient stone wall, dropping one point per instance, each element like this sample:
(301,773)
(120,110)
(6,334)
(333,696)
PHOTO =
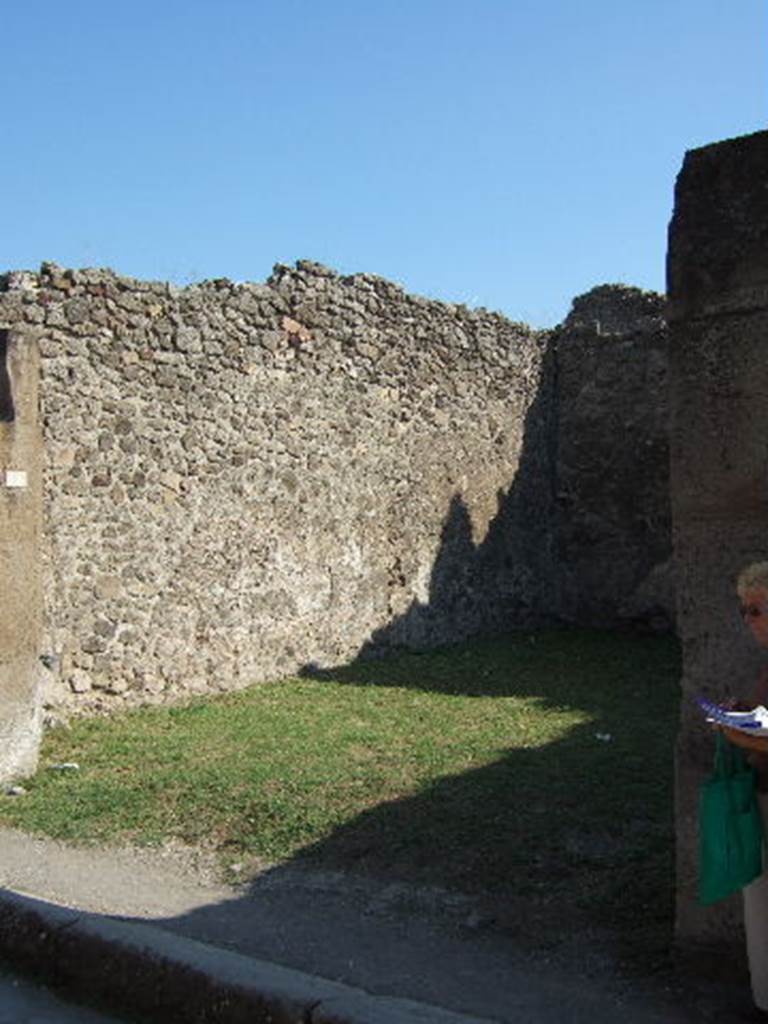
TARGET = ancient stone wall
(612,519)
(242,480)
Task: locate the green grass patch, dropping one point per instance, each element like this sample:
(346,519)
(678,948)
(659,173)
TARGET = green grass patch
(536,767)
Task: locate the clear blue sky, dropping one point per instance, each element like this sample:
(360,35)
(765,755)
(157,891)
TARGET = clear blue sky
(504,154)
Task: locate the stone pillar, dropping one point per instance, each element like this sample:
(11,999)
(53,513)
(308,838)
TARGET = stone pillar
(20,531)
(718,315)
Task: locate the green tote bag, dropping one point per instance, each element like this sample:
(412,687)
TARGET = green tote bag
(730,829)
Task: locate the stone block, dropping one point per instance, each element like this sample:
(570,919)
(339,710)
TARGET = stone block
(718,310)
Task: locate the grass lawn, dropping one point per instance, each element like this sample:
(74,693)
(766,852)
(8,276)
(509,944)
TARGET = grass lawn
(536,768)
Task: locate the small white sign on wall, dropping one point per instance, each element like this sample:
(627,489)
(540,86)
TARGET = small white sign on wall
(15,478)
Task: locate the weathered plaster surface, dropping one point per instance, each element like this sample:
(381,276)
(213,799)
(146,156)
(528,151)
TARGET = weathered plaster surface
(20,596)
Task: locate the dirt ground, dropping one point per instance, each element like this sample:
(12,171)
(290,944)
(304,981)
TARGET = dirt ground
(462,952)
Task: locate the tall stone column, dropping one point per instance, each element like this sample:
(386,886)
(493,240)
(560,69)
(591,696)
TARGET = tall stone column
(718,314)
(20,532)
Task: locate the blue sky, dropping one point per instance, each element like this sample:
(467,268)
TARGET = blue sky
(501,154)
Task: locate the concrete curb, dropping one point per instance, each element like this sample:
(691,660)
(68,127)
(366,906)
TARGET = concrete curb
(137,968)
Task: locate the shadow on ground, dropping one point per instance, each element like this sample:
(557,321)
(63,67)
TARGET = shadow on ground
(495,890)
(557,852)
(553,858)
(566,834)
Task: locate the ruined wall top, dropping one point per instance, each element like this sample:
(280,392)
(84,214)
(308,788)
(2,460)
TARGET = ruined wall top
(616,309)
(718,236)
